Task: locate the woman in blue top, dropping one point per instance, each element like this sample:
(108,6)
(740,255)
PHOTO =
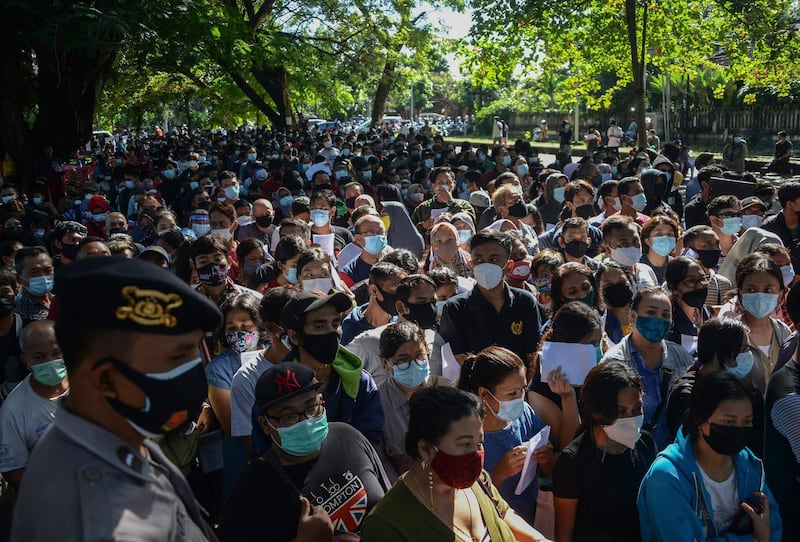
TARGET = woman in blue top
(708,486)
(497,376)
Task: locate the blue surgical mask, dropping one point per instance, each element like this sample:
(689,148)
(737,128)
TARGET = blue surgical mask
(506,160)
(40,285)
(522,169)
(558,193)
(291,275)
(285,203)
(440,307)
(751,221)
(508,411)
(130,185)
(744,364)
(759,304)
(50,373)
(201,229)
(305,437)
(367,174)
(639,202)
(251,156)
(737,140)
(464,236)
(652,328)
(613,170)
(340,174)
(320,217)
(232,192)
(37,201)
(429,162)
(375,244)
(168,174)
(731,225)
(194,185)
(663,245)
(413,375)
(605,177)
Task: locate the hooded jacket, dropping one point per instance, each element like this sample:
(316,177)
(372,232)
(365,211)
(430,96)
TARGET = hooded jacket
(547,205)
(402,232)
(653,190)
(672,496)
(747,243)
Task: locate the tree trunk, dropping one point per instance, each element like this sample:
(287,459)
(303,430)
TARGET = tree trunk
(382,91)
(275,80)
(637,66)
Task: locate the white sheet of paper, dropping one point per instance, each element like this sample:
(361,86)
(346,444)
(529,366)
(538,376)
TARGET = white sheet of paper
(575,360)
(350,252)
(451,370)
(530,467)
(437,212)
(325,241)
(689,343)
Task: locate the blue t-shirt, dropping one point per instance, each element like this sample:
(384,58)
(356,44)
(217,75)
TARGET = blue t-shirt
(651,382)
(497,443)
(357,270)
(220,370)
(354,324)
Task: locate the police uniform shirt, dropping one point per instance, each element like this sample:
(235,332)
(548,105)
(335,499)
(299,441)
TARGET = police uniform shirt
(93,486)
(470,322)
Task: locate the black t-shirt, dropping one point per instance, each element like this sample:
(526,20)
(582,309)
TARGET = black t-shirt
(782,147)
(346,478)
(606,488)
(11,367)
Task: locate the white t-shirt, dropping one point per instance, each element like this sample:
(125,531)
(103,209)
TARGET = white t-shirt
(614,134)
(24,417)
(243,394)
(724,499)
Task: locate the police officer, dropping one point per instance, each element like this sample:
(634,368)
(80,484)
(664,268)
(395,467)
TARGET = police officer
(129,333)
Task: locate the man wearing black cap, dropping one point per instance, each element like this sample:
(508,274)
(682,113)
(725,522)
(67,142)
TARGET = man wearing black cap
(312,323)
(67,239)
(319,477)
(131,351)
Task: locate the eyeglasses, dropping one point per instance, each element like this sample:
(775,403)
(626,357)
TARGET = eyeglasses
(290,419)
(692,283)
(729,214)
(406,364)
(369,233)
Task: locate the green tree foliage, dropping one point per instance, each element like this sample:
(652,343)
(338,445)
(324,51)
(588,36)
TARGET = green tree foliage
(745,41)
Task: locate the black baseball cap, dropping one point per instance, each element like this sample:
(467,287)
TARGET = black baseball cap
(284,381)
(304,302)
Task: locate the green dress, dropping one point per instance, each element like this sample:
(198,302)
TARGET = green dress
(400,516)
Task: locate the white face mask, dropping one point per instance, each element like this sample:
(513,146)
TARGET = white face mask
(626,431)
(224,232)
(322,284)
(627,256)
(488,275)
(788,274)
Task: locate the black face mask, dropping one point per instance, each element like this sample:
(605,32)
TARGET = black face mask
(388,302)
(584,211)
(695,298)
(323,348)
(7,304)
(69,251)
(264,221)
(12,233)
(709,258)
(173,401)
(728,439)
(212,273)
(422,314)
(205,204)
(518,210)
(576,248)
(618,295)
(350,202)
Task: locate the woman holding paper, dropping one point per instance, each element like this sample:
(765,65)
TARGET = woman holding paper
(658,362)
(497,376)
(596,477)
(568,350)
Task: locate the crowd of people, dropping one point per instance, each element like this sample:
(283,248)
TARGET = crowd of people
(329,336)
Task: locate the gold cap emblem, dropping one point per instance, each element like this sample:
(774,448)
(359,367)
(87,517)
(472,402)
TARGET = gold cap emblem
(149,307)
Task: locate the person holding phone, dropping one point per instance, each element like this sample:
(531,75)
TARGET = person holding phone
(708,485)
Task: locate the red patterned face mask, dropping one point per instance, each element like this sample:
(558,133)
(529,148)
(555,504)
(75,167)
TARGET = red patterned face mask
(458,471)
(518,270)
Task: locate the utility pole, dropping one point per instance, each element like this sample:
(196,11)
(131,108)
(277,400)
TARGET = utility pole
(412,103)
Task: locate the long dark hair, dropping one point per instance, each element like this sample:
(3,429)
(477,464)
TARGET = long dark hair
(432,410)
(708,392)
(488,368)
(720,338)
(600,391)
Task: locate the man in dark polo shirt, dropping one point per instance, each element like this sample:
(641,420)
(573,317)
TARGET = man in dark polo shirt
(493,312)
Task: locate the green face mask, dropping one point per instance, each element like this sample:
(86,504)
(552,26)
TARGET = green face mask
(588,299)
(305,437)
(50,373)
